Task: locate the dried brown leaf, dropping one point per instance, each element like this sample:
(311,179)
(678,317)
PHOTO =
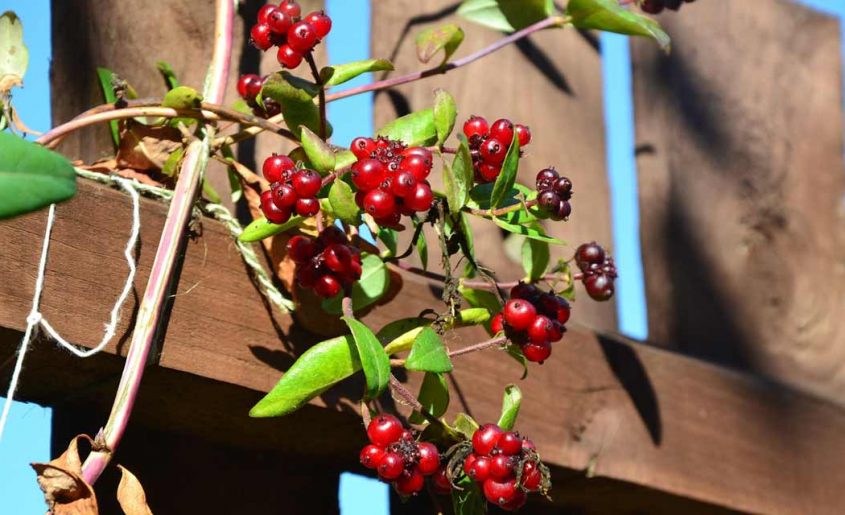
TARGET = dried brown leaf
(130,494)
(65,492)
(145,147)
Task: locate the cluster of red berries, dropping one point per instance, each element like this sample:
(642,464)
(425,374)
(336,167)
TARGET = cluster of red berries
(598,270)
(657,6)
(327,264)
(291,190)
(391,179)
(533,320)
(496,457)
(400,459)
(249,87)
(554,194)
(284,26)
(489,144)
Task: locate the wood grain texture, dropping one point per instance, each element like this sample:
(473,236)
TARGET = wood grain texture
(550,82)
(740,138)
(663,428)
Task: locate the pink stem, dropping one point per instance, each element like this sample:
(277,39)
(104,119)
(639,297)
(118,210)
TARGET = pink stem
(150,310)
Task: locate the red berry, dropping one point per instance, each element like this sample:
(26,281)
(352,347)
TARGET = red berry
(557,308)
(429,458)
(307,206)
(384,430)
(485,438)
(392,465)
(333,234)
(537,352)
(284,196)
(489,172)
(246,86)
(371,456)
(264,12)
(416,164)
(517,502)
(338,258)
(563,211)
(363,147)
(421,198)
(478,469)
(546,179)
(279,22)
(367,174)
(588,254)
(502,130)
(510,444)
(321,23)
(302,36)
(261,36)
(418,151)
(301,248)
(652,6)
(275,166)
(327,286)
(288,57)
(475,126)
(531,476)
(528,445)
(291,8)
(549,201)
(501,467)
(524,291)
(379,203)
(497,323)
(307,275)
(540,330)
(272,212)
(500,493)
(307,183)
(519,314)
(403,184)
(599,287)
(523,134)
(493,151)
(409,483)
(440,482)
(556,332)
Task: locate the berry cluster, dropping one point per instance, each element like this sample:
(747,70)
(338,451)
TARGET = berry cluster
(533,320)
(328,264)
(284,26)
(598,270)
(249,87)
(399,458)
(506,465)
(554,194)
(391,179)
(291,190)
(657,6)
(489,144)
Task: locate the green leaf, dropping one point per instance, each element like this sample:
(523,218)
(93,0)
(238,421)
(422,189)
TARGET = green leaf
(515,352)
(404,328)
(374,282)
(342,201)
(374,360)
(468,500)
(528,232)
(608,15)
(210,193)
(473,316)
(319,153)
(469,247)
(432,40)
(338,74)
(506,15)
(413,129)
(510,407)
(434,397)
(296,98)
(14,56)
(445,113)
(535,258)
(422,250)
(31,176)
(465,425)
(319,368)
(183,97)
(261,228)
(428,353)
(481,299)
(106,77)
(486,13)
(344,159)
(507,177)
(458,178)
(168,74)
(390,238)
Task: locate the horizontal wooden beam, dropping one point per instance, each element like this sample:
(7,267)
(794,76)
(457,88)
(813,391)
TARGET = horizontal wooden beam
(621,412)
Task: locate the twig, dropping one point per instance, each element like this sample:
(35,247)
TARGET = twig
(498,340)
(489,213)
(346,306)
(405,395)
(322,95)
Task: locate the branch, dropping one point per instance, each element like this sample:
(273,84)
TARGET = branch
(492,213)
(405,395)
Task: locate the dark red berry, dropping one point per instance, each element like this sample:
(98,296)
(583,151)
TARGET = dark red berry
(272,212)
(486,437)
(502,130)
(338,258)
(392,465)
(321,23)
(384,430)
(497,323)
(307,183)
(327,286)
(288,57)
(421,198)
(537,352)
(523,134)
(501,467)
(429,458)
(589,254)
(599,287)
(517,502)
(247,86)
(549,201)
(563,187)
(477,468)
(307,275)
(519,314)
(500,493)
(531,476)
(291,8)
(556,308)
(333,234)
(528,445)
(524,291)
(489,172)
(440,482)
(410,482)
(541,330)
(367,174)
(302,36)
(301,248)
(261,36)
(416,164)
(284,196)
(371,456)
(279,22)
(264,12)
(307,206)
(563,211)
(476,126)
(493,151)
(379,203)
(652,6)
(510,443)
(275,166)
(546,179)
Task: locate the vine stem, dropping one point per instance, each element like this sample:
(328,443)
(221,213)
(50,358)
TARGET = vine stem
(489,213)
(404,394)
(322,95)
(475,285)
(492,342)
(181,205)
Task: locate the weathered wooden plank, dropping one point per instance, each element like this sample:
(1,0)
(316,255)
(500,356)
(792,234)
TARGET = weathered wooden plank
(631,414)
(551,82)
(740,138)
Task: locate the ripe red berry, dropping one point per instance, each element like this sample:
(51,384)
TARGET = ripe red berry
(275,166)
(284,196)
(307,183)
(327,286)
(500,493)
(510,443)
(528,445)
(307,206)
(537,352)
(279,22)
(391,467)
(563,211)
(363,147)
(493,151)
(531,476)
(440,482)
(517,502)
(301,248)
(307,275)
(384,430)
(302,36)
(563,187)
(588,254)
(272,212)
(549,201)
(291,8)
(599,287)
(338,258)
(541,330)
(546,179)
(652,6)
(497,323)
(502,130)
(421,198)
(418,151)
(261,36)
(501,467)
(321,23)
(475,126)
(367,174)
(264,12)
(523,134)
(246,86)
(416,164)
(403,184)
(379,203)
(371,456)
(288,57)
(489,172)
(410,482)
(429,458)
(477,468)
(519,314)
(333,234)
(556,307)
(485,438)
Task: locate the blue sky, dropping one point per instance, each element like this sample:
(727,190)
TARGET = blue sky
(26,438)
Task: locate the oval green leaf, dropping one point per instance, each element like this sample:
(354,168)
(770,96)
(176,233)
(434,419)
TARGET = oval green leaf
(416,128)
(433,396)
(428,353)
(486,13)
(432,40)
(107,78)
(338,74)
(445,113)
(319,153)
(183,97)
(510,407)
(534,233)
(296,98)
(374,282)
(31,176)
(374,360)
(507,177)
(609,16)
(535,258)
(342,200)
(458,178)
(261,228)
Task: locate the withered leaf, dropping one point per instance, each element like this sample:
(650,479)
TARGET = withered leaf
(130,494)
(65,492)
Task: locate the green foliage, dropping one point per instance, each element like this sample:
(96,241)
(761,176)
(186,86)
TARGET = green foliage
(458,178)
(416,128)
(340,73)
(506,15)
(390,238)
(428,353)
(31,176)
(374,282)
(535,258)
(468,500)
(433,396)
(296,98)
(260,228)
(465,425)
(511,402)
(445,114)
(481,299)
(608,15)
(432,40)
(422,250)
(535,233)
(374,360)
(319,153)
(182,97)
(507,177)
(107,78)
(168,74)
(342,201)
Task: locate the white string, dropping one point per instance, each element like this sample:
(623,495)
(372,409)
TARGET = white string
(35,317)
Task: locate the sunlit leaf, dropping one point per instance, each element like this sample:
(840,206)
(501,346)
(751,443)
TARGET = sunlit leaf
(510,407)
(260,228)
(416,128)
(374,360)
(433,396)
(340,73)
(432,40)
(428,353)
(374,282)
(608,15)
